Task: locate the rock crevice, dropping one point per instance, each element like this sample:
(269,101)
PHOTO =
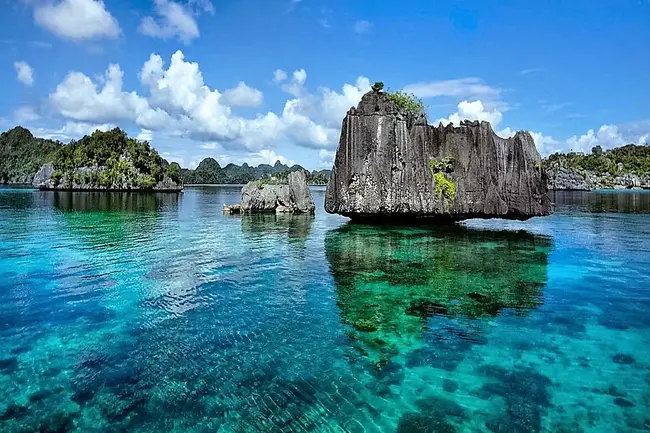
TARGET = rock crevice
(393,165)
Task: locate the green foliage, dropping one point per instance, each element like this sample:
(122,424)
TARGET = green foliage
(22,155)
(112,160)
(378,86)
(446,165)
(174,172)
(407,103)
(444,186)
(633,159)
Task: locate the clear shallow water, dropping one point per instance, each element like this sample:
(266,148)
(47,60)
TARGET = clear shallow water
(151,313)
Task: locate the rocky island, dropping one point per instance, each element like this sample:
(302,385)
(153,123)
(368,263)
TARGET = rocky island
(626,167)
(284,194)
(108,161)
(391,163)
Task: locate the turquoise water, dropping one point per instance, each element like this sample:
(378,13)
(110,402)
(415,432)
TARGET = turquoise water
(152,313)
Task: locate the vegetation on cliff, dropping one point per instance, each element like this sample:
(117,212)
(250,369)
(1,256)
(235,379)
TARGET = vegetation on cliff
(111,160)
(631,159)
(22,154)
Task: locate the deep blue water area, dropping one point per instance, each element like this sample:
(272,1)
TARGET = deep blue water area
(156,313)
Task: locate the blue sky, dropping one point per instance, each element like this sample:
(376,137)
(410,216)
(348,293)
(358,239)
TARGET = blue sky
(258,80)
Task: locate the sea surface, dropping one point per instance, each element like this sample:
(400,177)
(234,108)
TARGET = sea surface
(156,313)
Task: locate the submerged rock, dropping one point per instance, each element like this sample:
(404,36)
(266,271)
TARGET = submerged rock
(290,197)
(389,164)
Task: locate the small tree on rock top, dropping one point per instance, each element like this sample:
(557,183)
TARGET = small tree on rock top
(378,86)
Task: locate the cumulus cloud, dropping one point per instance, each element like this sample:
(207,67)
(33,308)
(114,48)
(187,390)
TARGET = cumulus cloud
(179,103)
(77,20)
(24,73)
(473,111)
(607,136)
(71,130)
(175,20)
(243,96)
(144,135)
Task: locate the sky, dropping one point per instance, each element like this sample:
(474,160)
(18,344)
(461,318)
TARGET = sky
(263,80)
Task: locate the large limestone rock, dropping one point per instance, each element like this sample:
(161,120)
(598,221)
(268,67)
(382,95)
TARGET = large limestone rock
(293,197)
(389,164)
(299,193)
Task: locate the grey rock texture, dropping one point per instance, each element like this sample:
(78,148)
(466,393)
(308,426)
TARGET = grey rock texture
(43,176)
(561,177)
(294,197)
(391,165)
(299,193)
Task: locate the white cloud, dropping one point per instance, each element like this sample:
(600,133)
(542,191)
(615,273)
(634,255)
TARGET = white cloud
(243,96)
(326,159)
(473,111)
(466,88)
(266,156)
(362,27)
(174,20)
(25,114)
(608,136)
(144,135)
(279,76)
(71,130)
(77,20)
(546,144)
(180,104)
(24,73)
(643,139)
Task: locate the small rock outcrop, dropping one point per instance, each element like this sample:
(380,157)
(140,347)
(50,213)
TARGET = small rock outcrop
(290,197)
(394,165)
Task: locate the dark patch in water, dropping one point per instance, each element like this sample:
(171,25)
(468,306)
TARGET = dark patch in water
(423,423)
(621,358)
(424,308)
(622,402)
(449,385)
(8,365)
(439,405)
(14,411)
(478,297)
(526,395)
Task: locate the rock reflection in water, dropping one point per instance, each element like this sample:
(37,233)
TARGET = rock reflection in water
(296,227)
(391,281)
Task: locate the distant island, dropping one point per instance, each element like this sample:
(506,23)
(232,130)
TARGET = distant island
(101,161)
(624,167)
(113,161)
(210,172)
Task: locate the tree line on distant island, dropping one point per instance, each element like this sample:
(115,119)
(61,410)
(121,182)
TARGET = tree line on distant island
(210,172)
(105,159)
(122,157)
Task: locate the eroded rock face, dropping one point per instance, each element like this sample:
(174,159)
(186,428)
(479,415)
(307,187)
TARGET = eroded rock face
(294,197)
(391,165)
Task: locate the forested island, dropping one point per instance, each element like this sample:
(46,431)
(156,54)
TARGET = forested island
(101,161)
(623,167)
(210,172)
